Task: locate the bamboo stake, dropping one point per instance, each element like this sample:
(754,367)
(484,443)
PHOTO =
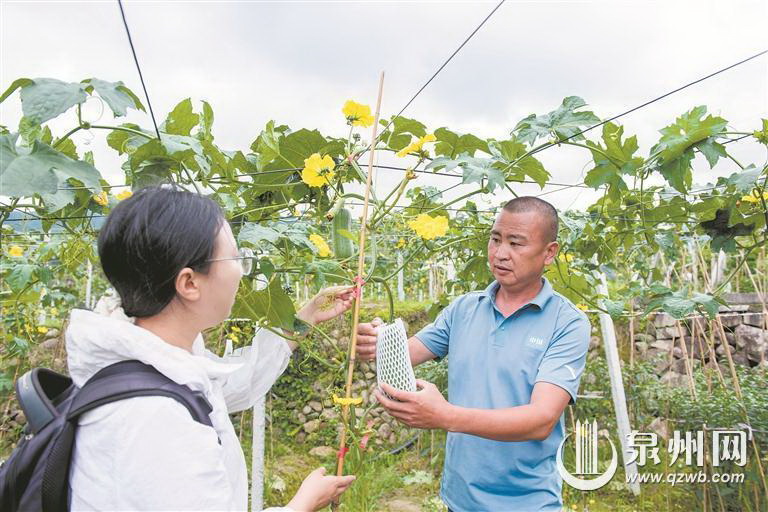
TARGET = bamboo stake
(688,363)
(632,333)
(358,286)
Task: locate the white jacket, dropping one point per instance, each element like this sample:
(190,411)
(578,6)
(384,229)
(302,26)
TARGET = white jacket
(147,453)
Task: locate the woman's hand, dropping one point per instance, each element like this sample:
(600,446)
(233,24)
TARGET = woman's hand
(318,490)
(328,303)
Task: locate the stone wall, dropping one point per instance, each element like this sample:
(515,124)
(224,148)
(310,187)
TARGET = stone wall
(667,341)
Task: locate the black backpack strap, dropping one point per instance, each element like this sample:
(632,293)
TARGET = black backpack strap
(126,379)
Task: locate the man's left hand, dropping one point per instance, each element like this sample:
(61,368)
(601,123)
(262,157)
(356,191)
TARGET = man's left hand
(425,408)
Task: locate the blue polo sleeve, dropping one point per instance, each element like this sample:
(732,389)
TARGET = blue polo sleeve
(566,355)
(436,335)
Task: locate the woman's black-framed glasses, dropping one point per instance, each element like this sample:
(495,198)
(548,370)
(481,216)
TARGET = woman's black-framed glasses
(246,258)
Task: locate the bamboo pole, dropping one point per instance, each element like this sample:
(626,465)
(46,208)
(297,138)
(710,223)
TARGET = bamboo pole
(358,286)
(688,363)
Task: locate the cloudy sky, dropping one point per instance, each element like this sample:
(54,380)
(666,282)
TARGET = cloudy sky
(297,62)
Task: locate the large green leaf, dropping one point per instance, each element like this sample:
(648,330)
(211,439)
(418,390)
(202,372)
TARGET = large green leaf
(711,150)
(562,123)
(675,148)
(686,131)
(46,98)
(678,172)
(401,132)
(476,271)
(115,94)
(182,119)
(266,147)
(181,146)
(206,122)
(24,172)
(18,83)
(511,152)
(299,145)
(745,180)
(293,149)
(30,131)
(149,164)
(126,142)
(63,196)
(20,275)
(615,308)
(452,144)
(474,170)
(613,159)
(271,305)
(254,234)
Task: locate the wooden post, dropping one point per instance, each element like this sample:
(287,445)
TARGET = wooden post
(617,387)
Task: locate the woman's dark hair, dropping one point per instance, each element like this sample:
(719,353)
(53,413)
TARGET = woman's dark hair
(148,238)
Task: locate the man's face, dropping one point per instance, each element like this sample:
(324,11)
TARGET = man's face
(518,249)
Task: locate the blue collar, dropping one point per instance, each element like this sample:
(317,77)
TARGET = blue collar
(539,300)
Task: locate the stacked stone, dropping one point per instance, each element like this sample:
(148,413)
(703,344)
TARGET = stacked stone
(744,326)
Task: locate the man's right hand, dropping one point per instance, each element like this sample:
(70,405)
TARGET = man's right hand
(366,339)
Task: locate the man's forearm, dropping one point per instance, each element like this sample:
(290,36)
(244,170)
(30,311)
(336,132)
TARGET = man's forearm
(418,352)
(522,423)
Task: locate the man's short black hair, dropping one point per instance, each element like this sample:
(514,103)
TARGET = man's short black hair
(149,238)
(525,204)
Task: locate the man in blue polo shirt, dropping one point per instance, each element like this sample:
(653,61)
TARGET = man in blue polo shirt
(516,353)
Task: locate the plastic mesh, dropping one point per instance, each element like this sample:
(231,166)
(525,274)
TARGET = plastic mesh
(393,364)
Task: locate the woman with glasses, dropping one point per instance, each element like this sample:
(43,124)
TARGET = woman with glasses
(172,259)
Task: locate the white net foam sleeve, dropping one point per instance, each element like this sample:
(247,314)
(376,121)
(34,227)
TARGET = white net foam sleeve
(393,363)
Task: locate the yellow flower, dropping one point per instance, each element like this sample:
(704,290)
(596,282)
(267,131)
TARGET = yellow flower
(429,227)
(357,114)
(318,171)
(125,194)
(101,198)
(567,258)
(42,330)
(415,147)
(235,329)
(400,243)
(754,198)
(322,246)
(347,401)
(16,251)
(582,307)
